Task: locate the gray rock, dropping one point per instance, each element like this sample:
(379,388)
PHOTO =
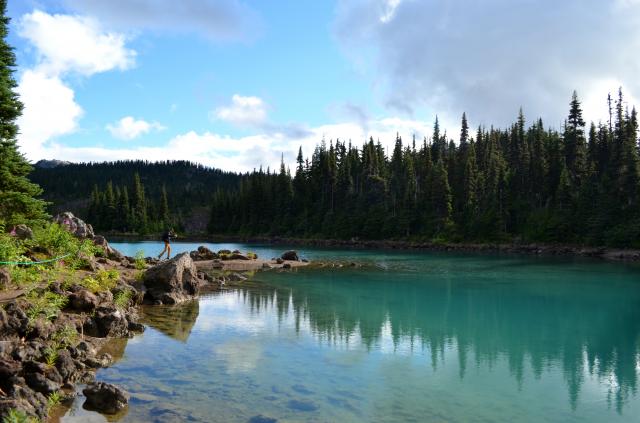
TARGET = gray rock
(23,232)
(83,300)
(5,278)
(290,255)
(172,281)
(40,383)
(107,322)
(74,225)
(105,397)
(203,253)
(239,256)
(65,365)
(109,251)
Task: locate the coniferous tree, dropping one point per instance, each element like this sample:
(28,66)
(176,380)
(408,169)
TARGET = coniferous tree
(18,202)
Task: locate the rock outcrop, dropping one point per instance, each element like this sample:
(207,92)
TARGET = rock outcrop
(172,281)
(109,251)
(105,397)
(75,225)
(203,253)
(23,232)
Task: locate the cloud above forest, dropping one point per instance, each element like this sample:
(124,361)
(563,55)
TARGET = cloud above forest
(129,128)
(250,112)
(489,58)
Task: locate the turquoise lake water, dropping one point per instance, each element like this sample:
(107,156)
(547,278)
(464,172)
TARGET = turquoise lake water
(420,337)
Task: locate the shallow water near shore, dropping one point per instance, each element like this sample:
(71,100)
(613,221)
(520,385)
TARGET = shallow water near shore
(424,337)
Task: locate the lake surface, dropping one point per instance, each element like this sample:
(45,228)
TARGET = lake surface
(422,337)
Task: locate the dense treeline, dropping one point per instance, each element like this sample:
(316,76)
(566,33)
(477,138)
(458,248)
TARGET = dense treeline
(113,209)
(92,189)
(529,183)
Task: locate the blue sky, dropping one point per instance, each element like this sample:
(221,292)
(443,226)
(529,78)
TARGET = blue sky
(235,84)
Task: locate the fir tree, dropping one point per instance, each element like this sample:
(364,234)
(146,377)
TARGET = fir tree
(18,202)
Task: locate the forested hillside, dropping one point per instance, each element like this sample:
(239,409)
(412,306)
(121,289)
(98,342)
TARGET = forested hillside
(112,197)
(528,182)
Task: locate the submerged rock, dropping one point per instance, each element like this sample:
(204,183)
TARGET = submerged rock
(172,281)
(105,397)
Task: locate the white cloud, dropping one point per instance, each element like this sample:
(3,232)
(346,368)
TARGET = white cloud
(251,112)
(389,10)
(74,44)
(129,128)
(243,111)
(64,44)
(489,58)
(50,110)
(250,152)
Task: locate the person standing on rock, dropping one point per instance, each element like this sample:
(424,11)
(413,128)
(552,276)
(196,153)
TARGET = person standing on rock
(166,238)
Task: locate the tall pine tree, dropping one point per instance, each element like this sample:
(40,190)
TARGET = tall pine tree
(18,202)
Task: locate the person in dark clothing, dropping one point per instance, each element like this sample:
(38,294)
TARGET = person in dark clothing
(166,238)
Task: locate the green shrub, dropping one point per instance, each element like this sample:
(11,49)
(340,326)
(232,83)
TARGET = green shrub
(51,355)
(103,280)
(122,299)
(66,336)
(17,416)
(140,262)
(47,305)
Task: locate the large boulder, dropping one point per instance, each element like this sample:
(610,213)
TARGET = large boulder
(105,397)
(109,251)
(290,255)
(107,322)
(172,281)
(74,225)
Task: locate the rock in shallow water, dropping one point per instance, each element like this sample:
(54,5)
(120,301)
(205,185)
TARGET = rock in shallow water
(172,281)
(105,397)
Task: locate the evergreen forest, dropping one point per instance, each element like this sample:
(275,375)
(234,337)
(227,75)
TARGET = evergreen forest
(526,183)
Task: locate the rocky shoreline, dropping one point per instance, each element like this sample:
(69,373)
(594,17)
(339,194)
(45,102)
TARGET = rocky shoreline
(43,359)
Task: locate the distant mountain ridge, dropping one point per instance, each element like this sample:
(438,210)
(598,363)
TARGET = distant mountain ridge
(50,164)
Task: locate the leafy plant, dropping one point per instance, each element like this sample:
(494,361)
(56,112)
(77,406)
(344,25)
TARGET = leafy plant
(140,262)
(51,355)
(17,416)
(68,335)
(103,280)
(47,305)
(122,298)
